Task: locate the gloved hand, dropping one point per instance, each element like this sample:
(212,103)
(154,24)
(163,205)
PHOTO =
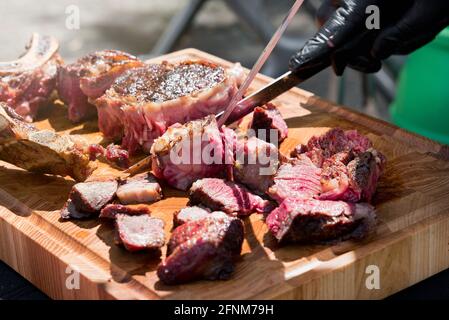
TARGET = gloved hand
(405,25)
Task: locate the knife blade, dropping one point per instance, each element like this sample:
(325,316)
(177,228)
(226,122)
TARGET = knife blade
(272,90)
(260,62)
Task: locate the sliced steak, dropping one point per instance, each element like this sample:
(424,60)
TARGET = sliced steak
(195,214)
(144,102)
(41,151)
(141,188)
(27,83)
(140,232)
(256,163)
(89,77)
(310,220)
(320,148)
(91,197)
(267,120)
(296,180)
(204,249)
(186,153)
(220,195)
(110,211)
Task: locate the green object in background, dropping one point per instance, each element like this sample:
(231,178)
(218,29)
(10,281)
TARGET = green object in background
(422,100)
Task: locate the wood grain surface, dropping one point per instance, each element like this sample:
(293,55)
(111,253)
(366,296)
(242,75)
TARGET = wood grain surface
(411,242)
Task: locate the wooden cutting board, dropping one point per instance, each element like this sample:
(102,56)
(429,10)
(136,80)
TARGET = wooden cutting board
(410,245)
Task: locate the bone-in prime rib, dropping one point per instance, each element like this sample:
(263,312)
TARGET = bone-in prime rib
(142,103)
(89,77)
(42,151)
(203,249)
(220,195)
(27,83)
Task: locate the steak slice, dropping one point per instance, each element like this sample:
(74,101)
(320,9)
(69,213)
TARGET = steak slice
(300,179)
(110,211)
(310,220)
(186,153)
(195,214)
(91,197)
(144,102)
(112,154)
(269,118)
(27,83)
(320,148)
(140,232)
(204,249)
(89,77)
(220,195)
(41,151)
(141,188)
(256,163)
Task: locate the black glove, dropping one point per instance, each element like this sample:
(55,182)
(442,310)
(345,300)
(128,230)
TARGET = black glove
(405,25)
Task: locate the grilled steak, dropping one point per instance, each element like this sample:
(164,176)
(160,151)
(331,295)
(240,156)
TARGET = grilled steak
(195,214)
(189,152)
(220,195)
(296,180)
(90,77)
(350,166)
(27,83)
(320,148)
(91,197)
(140,232)
(42,151)
(144,102)
(256,163)
(110,211)
(204,249)
(310,220)
(142,188)
(269,118)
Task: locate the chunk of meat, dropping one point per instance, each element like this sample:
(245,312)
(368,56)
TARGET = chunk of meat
(296,180)
(320,148)
(220,195)
(268,124)
(69,211)
(195,213)
(140,232)
(141,188)
(110,211)
(91,197)
(41,151)
(203,249)
(144,102)
(256,163)
(89,77)
(189,152)
(310,220)
(26,84)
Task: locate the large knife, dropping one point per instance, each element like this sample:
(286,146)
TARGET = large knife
(272,90)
